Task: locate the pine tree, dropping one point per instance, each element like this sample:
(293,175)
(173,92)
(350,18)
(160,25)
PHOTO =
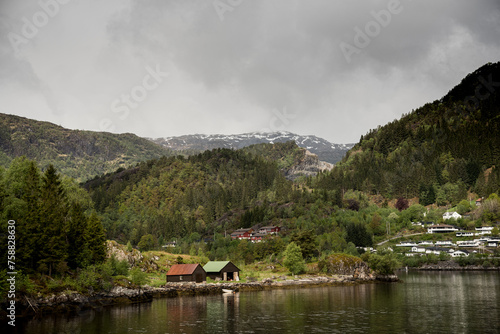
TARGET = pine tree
(78,251)
(29,229)
(96,239)
(53,250)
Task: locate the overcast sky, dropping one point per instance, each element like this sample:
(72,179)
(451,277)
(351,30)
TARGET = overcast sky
(162,68)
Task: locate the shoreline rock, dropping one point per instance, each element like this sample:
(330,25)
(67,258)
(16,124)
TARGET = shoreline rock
(454,266)
(68,303)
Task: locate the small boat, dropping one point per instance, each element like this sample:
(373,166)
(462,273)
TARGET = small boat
(227,291)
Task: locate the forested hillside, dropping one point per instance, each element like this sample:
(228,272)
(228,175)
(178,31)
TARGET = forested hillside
(437,152)
(171,197)
(75,153)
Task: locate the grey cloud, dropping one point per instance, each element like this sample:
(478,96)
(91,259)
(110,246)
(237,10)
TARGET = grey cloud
(266,55)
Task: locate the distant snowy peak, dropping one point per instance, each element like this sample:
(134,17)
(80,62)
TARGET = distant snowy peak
(325,150)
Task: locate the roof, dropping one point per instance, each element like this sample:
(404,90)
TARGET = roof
(182,269)
(215,266)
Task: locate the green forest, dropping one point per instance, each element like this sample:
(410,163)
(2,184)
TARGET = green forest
(74,153)
(442,156)
(435,153)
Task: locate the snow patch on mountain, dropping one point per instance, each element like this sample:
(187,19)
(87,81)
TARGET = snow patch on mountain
(325,150)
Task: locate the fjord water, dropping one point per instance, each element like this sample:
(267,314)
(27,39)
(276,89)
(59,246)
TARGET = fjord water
(427,302)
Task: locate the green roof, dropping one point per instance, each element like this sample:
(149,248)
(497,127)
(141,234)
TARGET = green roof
(215,266)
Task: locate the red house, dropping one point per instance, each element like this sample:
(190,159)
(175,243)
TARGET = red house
(186,273)
(242,233)
(257,237)
(270,230)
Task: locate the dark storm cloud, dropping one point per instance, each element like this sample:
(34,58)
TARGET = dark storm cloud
(233,64)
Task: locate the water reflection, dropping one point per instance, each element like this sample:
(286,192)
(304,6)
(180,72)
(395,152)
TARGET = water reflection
(431,302)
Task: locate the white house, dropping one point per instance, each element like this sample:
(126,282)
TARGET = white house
(444,243)
(459,252)
(435,250)
(468,243)
(484,229)
(493,243)
(406,244)
(451,215)
(418,249)
(442,228)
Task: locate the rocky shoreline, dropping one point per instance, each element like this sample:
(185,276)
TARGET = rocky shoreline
(454,266)
(76,302)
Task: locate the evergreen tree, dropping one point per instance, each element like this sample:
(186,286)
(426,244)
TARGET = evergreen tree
(28,237)
(78,250)
(96,239)
(306,240)
(53,249)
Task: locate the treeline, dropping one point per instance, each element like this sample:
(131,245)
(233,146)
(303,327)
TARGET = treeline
(55,228)
(437,152)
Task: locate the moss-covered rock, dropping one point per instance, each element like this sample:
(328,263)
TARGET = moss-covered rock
(343,264)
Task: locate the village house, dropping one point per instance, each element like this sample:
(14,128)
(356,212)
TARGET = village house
(186,273)
(493,243)
(484,229)
(452,215)
(269,230)
(418,249)
(465,234)
(468,243)
(169,244)
(441,228)
(445,243)
(459,252)
(406,244)
(436,250)
(222,270)
(479,201)
(257,237)
(242,234)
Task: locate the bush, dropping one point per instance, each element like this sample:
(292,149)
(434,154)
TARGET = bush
(118,267)
(384,264)
(293,259)
(94,278)
(138,277)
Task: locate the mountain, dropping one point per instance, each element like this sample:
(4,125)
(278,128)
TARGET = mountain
(437,152)
(326,151)
(75,153)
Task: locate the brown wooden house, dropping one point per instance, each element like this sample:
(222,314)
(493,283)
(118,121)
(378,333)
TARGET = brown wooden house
(223,270)
(186,273)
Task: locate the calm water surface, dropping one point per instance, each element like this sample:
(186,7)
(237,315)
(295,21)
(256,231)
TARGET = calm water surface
(430,302)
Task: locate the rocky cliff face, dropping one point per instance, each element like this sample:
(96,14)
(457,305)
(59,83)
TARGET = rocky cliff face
(342,264)
(134,257)
(309,165)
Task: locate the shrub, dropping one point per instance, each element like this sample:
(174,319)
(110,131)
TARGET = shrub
(384,264)
(138,277)
(118,267)
(293,259)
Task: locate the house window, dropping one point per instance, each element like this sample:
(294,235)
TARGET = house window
(180,278)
